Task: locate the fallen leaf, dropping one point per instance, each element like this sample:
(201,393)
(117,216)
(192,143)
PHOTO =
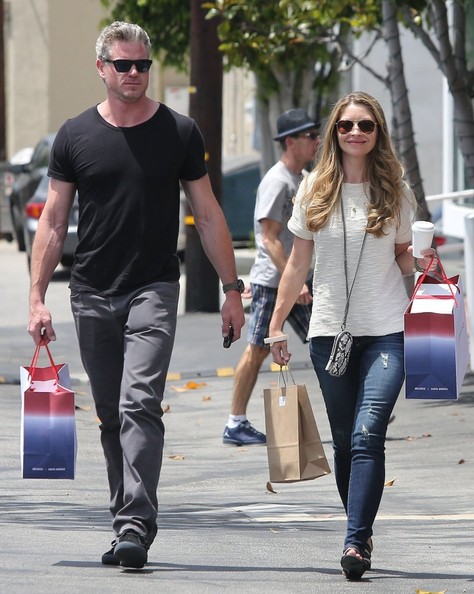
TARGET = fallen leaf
(390,482)
(176,457)
(207,398)
(418,591)
(414,438)
(270,488)
(189,386)
(462,461)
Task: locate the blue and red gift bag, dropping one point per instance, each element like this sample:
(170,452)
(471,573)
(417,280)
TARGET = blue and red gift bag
(48,422)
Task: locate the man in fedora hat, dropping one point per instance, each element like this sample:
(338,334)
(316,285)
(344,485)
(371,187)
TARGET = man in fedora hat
(299,138)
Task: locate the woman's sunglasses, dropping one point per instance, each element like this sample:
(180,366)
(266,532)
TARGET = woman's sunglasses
(365,126)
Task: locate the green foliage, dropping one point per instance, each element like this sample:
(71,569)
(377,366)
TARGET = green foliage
(267,37)
(278,36)
(291,32)
(260,35)
(167,22)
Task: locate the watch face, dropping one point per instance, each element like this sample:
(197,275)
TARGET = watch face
(240,285)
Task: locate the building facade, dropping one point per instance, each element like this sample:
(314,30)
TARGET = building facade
(51,74)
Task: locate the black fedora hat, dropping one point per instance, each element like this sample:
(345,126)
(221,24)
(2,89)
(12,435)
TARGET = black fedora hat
(293,121)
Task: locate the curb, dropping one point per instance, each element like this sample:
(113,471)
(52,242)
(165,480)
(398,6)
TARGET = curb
(174,376)
(177,376)
(230,371)
(14,380)
(9,380)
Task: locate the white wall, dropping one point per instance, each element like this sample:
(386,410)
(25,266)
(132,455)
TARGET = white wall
(50,65)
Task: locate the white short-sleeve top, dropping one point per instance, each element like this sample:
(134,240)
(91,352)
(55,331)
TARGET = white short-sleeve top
(379,297)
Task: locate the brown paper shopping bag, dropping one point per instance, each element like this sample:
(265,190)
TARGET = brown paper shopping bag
(295,451)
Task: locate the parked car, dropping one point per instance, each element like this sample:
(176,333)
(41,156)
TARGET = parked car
(27,177)
(21,157)
(33,209)
(241,177)
(35,205)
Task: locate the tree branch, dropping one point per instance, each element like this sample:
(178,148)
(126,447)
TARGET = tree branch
(418,31)
(345,50)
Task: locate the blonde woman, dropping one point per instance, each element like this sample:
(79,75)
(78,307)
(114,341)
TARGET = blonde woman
(354,214)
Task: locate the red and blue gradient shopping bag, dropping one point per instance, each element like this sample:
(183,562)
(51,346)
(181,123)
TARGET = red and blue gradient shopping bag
(436,340)
(48,422)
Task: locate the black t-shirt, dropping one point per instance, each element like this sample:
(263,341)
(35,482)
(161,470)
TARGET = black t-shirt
(128,186)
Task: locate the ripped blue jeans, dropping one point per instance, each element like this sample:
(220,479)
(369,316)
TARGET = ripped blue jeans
(359,405)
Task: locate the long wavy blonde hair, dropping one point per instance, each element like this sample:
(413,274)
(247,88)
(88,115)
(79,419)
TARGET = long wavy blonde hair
(383,172)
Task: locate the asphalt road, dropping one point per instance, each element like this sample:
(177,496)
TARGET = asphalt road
(220,528)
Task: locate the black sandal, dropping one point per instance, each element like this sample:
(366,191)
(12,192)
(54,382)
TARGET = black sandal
(367,554)
(354,567)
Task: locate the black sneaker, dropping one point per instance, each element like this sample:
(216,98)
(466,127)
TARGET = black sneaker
(243,434)
(130,549)
(109,557)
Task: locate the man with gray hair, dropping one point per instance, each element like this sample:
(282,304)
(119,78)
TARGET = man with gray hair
(126,157)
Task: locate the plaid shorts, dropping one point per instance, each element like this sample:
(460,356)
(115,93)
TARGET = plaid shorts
(261,310)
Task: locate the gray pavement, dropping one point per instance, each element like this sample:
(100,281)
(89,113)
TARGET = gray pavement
(220,528)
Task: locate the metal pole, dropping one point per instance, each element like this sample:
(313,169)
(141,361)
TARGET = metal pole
(469,264)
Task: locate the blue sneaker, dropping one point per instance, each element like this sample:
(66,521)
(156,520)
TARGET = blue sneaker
(243,434)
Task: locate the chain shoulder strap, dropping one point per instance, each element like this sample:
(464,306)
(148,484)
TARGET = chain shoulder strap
(349,291)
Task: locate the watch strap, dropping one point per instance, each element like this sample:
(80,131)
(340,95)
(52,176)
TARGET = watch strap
(238,285)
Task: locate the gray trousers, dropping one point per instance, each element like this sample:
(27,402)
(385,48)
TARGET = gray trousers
(126,344)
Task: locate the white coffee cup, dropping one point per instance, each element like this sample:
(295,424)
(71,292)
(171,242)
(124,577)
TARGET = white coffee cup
(423,233)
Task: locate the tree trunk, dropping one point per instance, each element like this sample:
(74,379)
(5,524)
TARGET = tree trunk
(293,91)
(451,60)
(405,137)
(202,282)
(265,129)
(452,63)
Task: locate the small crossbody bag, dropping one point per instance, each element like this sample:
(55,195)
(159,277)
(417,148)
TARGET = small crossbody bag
(341,348)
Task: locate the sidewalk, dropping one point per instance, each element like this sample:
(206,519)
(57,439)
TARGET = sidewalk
(220,527)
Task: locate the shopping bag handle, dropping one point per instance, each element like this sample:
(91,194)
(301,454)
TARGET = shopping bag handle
(283,374)
(34,360)
(440,276)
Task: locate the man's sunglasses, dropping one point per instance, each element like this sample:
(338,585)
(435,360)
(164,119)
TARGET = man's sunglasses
(365,126)
(126,65)
(312,135)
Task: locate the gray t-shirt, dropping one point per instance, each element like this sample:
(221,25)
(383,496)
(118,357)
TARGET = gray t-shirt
(275,196)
